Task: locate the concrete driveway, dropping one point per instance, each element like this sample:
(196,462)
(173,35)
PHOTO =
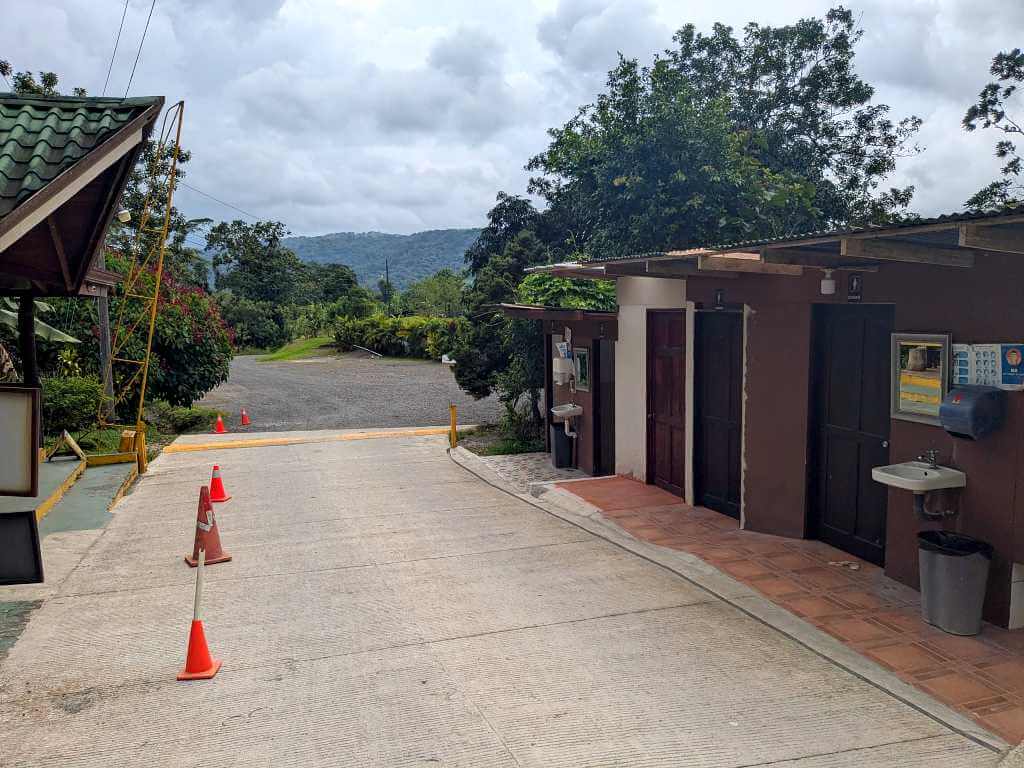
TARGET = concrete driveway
(386,608)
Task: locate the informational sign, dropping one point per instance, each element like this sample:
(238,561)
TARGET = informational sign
(21,561)
(19,448)
(855,287)
(992,365)
(1011,366)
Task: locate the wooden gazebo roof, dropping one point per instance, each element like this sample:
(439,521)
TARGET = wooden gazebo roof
(64,162)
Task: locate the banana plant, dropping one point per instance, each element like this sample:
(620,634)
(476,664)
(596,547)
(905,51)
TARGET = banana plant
(9,317)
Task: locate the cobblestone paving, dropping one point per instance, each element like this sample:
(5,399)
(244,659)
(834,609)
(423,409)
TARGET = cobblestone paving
(524,469)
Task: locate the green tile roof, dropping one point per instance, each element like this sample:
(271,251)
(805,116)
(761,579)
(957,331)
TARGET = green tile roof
(41,137)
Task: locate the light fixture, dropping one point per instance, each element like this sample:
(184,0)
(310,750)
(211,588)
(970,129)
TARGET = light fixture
(828,284)
(124,215)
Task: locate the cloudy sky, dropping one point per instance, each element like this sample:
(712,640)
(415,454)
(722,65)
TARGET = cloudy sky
(403,115)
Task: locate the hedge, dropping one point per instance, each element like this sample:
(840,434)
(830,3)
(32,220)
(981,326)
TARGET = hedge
(71,403)
(422,337)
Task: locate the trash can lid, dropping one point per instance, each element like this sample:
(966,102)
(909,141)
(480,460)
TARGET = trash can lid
(953,544)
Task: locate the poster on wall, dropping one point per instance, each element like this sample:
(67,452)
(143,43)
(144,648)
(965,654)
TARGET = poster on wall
(920,375)
(19,425)
(581,360)
(992,365)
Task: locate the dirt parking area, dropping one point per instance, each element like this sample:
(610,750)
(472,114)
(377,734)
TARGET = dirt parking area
(344,391)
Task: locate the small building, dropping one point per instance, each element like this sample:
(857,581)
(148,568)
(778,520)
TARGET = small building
(766,379)
(588,338)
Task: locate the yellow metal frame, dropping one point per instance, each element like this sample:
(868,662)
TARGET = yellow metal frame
(129,322)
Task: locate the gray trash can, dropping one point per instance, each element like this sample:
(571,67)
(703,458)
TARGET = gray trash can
(954,571)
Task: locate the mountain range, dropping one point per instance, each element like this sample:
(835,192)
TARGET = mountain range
(408,257)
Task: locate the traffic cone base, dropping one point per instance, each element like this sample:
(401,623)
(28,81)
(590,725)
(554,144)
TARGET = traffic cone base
(193,562)
(199,665)
(217,490)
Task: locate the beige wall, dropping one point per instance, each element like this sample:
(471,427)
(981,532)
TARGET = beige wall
(635,296)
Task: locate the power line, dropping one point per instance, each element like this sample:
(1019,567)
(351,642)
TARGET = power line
(218,200)
(139,52)
(114,52)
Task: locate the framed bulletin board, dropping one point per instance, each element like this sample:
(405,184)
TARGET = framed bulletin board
(19,449)
(920,375)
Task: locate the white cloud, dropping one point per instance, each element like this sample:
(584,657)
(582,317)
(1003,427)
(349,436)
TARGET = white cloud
(401,115)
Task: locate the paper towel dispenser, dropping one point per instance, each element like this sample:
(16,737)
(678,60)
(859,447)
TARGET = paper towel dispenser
(973,412)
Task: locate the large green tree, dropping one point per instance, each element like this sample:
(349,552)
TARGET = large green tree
(439,294)
(250,261)
(728,137)
(991,111)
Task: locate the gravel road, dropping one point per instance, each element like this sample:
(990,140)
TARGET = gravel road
(344,391)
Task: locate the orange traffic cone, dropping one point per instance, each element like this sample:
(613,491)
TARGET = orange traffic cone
(199,665)
(207,535)
(217,492)
(219,427)
(246,421)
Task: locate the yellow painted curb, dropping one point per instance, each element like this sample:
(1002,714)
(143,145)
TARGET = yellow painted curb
(51,501)
(260,442)
(102,459)
(133,474)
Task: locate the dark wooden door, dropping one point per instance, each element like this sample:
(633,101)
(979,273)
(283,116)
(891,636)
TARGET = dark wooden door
(603,375)
(850,426)
(666,406)
(718,392)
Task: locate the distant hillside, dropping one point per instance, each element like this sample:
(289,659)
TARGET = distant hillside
(410,257)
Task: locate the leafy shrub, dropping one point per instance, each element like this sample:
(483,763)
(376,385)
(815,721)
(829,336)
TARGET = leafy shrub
(70,403)
(175,419)
(256,324)
(421,337)
(191,345)
(549,291)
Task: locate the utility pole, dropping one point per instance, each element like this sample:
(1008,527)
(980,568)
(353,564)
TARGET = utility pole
(387,282)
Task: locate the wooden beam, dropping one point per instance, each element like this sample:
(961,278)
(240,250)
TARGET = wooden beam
(902,251)
(58,248)
(756,266)
(683,269)
(815,259)
(988,238)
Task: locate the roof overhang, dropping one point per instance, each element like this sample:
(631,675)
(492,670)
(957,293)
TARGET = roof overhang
(608,321)
(951,242)
(573,269)
(49,242)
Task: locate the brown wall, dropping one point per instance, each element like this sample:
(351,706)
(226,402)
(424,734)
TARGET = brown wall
(982,304)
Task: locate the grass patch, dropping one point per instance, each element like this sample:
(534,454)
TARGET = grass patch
(490,440)
(298,348)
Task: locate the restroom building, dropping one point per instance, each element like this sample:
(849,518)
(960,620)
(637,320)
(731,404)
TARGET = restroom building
(766,379)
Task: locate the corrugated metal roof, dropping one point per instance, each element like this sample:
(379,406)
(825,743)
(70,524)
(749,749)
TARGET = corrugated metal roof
(41,137)
(895,229)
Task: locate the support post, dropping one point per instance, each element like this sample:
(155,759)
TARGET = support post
(27,350)
(453,435)
(106,369)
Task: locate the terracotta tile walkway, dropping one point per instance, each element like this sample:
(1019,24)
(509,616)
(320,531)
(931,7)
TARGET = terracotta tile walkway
(849,598)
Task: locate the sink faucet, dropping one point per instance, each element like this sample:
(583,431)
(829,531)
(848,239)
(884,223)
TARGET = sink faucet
(931,456)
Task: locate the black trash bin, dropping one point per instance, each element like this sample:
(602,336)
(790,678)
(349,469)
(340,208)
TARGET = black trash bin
(561,447)
(954,571)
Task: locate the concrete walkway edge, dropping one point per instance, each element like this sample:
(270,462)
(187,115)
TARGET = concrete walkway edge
(575,511)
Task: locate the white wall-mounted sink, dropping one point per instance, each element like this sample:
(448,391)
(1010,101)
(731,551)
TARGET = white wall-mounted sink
(919,477)
(566,411)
